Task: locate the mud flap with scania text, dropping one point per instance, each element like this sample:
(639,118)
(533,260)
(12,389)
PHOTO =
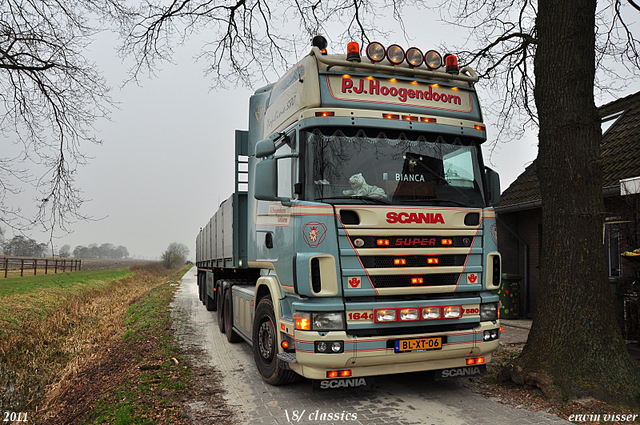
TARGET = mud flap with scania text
(329,384)
(460,372)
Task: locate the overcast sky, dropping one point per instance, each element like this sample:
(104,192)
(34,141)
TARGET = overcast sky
(168,152)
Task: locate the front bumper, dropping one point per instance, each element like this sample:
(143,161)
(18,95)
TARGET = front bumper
(371,356)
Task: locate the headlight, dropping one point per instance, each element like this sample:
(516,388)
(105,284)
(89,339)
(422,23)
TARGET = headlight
(386,315)
(328,321)
(319,321)
(452,312)
(329,347)
(488,312)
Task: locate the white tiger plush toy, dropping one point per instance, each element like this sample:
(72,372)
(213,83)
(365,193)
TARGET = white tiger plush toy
(359,187)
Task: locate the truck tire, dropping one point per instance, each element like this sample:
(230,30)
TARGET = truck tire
(220,309)
(232,336)
(265,346)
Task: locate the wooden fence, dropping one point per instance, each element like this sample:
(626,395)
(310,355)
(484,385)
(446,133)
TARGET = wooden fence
(11,266)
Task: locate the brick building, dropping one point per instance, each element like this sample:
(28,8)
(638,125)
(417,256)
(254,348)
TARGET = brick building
(520,210)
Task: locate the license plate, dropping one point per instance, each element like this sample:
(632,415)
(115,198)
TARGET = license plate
(422,344)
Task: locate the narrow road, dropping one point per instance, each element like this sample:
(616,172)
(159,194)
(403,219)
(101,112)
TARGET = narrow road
(398,399)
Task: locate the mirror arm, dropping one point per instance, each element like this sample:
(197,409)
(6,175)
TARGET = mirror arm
(289,155)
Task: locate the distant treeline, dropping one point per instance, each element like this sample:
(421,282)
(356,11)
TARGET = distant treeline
(21,246)
(106,250)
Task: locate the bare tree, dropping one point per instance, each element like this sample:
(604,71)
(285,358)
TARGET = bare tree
(175,255)
(50,97)
(549,58)
(65,251)
(249,41)
(540,58)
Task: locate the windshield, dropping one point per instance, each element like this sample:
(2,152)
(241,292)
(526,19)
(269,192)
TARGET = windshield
(347,165)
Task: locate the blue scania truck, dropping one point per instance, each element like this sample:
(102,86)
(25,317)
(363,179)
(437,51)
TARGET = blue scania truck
(360,239)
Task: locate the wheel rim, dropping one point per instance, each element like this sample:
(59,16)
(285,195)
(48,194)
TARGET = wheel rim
(266,340)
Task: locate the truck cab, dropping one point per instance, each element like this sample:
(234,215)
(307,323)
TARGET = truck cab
(364,237)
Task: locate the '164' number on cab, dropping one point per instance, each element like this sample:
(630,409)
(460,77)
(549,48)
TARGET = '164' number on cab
(360,316)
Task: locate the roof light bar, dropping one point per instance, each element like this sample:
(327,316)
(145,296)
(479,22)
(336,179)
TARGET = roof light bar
(433,59)
(414,57)
(375,52)
(395,54)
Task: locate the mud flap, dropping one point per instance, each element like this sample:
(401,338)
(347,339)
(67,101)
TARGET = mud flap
(460,372)
(331,384)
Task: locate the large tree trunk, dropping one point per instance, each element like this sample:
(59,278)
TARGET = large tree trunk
(575,348)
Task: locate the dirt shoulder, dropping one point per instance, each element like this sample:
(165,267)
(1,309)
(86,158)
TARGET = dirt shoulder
(531,398)
(139,375)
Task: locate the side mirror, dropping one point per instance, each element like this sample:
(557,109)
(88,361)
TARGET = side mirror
(267,146)
(266,181)
(493,181)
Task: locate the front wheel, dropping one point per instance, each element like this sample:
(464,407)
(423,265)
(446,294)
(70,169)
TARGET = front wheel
(265,346)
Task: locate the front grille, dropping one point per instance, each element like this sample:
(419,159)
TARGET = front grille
(413,241)
(411,330)
(418,297)
(403,281)
(383,261)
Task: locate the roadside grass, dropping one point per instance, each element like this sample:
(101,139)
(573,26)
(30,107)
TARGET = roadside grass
(67,280)
(149,391)
(52,326)
(34,297)
(137,377)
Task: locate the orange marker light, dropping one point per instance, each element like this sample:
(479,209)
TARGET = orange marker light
(332,374)
(399,262)
(285,344)
(451,64)
(432,261)
(417,280)
(447,242)
(382,242)
(353,52)
(303,322)
(345,373)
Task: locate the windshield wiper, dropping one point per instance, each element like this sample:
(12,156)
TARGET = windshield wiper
(362,198)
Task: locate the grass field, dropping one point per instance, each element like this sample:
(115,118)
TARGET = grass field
(55,327)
